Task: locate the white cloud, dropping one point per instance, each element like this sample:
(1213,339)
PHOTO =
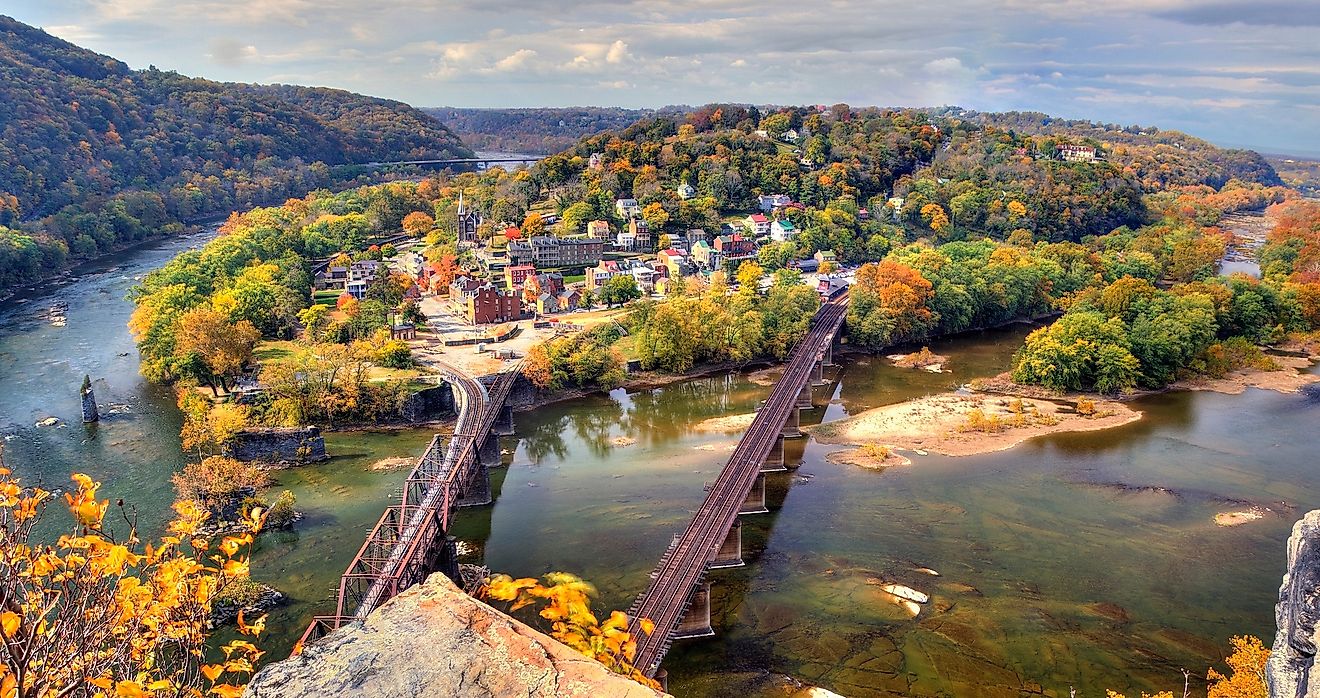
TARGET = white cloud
(515,61)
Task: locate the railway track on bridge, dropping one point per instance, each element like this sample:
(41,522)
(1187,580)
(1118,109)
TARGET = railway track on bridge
(409,540)
(684,565)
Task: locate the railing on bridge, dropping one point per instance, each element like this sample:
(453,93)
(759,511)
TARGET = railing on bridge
(409,540)
(682,569)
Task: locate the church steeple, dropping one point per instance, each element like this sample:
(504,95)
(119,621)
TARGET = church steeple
(460,202)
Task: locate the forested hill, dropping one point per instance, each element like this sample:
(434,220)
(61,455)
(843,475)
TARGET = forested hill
(541,130)
(94,154)
(1160,158)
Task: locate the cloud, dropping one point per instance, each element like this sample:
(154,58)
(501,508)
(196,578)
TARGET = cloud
(515,61)
(1217,68)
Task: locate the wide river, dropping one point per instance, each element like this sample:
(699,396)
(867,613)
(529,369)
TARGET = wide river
(1082,560)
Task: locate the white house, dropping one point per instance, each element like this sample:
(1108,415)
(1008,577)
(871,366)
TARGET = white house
(686,191)
(783,231)
(758,224)
(628,208)
(770,202)
(790,136)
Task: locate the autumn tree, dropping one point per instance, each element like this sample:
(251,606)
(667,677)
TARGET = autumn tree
(533,224)
(222,346)
(314,319)
(889,305)
(935,217)
(655,216)
(216,482)
(208,428)
(417,224)
(100,613)
(1246,678)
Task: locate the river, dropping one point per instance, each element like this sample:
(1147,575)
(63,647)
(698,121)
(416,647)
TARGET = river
(1084,560)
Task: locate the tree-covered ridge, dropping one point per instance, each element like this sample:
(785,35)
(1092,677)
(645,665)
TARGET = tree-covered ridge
(535,130)
(94,154)
(1158,158)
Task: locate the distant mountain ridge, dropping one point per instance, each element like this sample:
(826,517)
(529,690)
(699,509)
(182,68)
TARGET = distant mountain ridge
(94,154)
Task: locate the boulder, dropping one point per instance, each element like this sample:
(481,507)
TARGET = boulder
(1291,672)
(434,640)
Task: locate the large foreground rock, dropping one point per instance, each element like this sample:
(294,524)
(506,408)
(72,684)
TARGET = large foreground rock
(1291,672)
(434,640)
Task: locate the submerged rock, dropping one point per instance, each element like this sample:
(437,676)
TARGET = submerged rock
(434,640)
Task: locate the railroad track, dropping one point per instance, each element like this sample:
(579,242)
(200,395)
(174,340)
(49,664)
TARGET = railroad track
(684,565)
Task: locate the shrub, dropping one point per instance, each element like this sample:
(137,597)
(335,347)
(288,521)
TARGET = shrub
(217,480)
(978,420)
(876,451)
(1085,406)
(281,513)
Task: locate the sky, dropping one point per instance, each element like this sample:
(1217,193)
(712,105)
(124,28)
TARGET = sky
(1236,72)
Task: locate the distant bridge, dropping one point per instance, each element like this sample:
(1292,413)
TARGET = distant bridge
(678,598)
(411,540)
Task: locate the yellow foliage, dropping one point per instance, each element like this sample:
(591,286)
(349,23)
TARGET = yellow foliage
(145,608)
(1247,669)
(565,602)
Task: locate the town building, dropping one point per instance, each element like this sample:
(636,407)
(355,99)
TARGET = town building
(769,202)
(637,238)
(824,256)
(515,275)
(599,229)
(758,224)
(606,270)
(550,251)
(731,250)
(596,161)
(686,191)
(1076,153)
(783,231)
(701,254)
(405,331)
(627,208)
(468,221)
(676,261)
(481,302)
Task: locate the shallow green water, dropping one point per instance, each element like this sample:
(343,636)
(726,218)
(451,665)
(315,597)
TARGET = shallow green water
(1084,560)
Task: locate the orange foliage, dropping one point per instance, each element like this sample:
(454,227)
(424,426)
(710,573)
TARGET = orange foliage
(1247,667)
(566,603)
(92,611)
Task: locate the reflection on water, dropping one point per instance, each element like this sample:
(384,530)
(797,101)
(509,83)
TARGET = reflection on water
(1084,560)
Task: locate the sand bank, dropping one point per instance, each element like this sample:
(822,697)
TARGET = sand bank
(940,423)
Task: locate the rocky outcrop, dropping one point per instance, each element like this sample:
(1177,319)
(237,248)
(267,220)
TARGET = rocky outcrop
(434,640)
(89,412)
(288,445)
(1291,672)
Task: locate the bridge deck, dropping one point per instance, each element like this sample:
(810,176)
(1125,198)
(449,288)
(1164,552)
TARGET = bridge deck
(401,550)
(683,567)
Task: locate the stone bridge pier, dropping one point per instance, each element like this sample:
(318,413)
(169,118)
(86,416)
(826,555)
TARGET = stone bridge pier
(696,622)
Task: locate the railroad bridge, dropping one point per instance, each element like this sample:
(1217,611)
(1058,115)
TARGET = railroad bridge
(678,598)
(411,540)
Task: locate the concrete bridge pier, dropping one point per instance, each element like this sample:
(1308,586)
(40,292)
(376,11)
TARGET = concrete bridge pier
(696,622)
(488,452)
(730,553)
(755,502)
(804,396)
(828,359)
(774,460)
(792,426)
(476,493)
(503,425)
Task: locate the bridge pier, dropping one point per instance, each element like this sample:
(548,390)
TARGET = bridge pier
(774,460)
(488,453)
(503,425)
(477,491)
(804,397)
(818,374)
(792,426)
(828,359)
(696,622)
(730,553)
(755,502)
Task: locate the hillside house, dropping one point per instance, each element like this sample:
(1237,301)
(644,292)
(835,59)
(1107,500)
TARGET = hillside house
(783,231)
(1076,153)
(757,224)
(770,202)
(686,191)
(627,208)
(599,229)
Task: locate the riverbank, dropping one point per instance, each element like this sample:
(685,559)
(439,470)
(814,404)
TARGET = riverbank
(957,424)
